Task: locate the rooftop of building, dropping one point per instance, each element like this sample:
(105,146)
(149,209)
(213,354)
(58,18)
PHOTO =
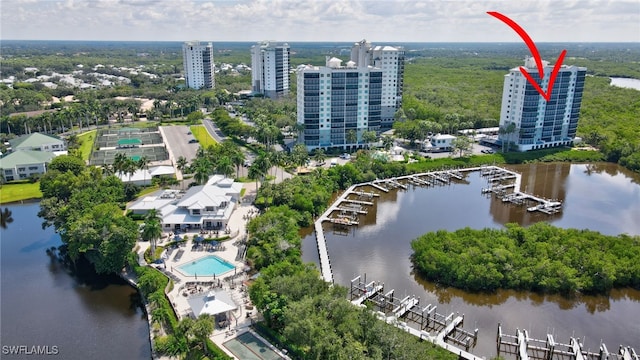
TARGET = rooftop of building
(33,140)
(25,157)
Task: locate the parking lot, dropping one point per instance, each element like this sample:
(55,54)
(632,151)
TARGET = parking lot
(177,140)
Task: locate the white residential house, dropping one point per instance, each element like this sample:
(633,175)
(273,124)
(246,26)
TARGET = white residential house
(441,142)
(21,164)
(206,206)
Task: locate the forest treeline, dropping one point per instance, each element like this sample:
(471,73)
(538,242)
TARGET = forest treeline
(540,257)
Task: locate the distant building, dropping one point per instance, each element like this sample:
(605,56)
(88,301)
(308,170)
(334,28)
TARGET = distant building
(270,69)
(539,123)
(37,141)
(391,60)
(198,65)
(21,164)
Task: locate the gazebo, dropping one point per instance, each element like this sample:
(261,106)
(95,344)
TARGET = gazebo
(216,303)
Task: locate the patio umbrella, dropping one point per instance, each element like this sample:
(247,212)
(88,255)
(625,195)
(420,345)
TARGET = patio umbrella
(214,243)
(177,238)
(198,238)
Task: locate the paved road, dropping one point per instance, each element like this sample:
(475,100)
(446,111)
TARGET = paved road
(214,131)
(177,140)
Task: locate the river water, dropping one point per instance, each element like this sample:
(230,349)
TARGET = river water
(602,197)
(81,316)
(626,83)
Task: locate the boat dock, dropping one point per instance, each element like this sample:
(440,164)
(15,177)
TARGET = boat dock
(496,176)
(406,314)
(525,348)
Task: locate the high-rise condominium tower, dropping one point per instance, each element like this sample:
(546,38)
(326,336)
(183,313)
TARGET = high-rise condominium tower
(533,122)
(337,104)
(390,59)
(198,64)
(270,69)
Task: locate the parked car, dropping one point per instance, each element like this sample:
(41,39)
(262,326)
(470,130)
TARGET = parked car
(488,151)
(345,156)
(193,141)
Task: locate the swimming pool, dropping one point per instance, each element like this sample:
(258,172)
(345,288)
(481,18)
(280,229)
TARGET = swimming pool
(206,266)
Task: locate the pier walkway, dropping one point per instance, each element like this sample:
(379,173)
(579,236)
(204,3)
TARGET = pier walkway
(424,322)
(525,347)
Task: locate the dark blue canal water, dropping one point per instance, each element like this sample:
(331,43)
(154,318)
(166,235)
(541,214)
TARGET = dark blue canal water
(81,316)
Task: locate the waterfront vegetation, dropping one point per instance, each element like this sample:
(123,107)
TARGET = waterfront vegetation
(85,208)
(540,258)
(302,312)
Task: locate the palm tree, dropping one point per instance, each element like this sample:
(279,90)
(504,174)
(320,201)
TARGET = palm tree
(201,171)
(369,137)
(507,130)
(5,218)
(387,142)
(299,155)
(143,164)
(152,230)
(201,329)
(351,136)
(119,163)
(130,167)
(108,170)
(319,156)
(224,166)
(181,164)
(255,173)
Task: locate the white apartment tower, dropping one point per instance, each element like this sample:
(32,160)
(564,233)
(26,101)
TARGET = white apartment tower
(198,64)
(337,104)
(390,59)
(270,69)
(539,123)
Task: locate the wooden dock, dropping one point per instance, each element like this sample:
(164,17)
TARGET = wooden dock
(525,347)
(359,202)
(405,311)
(375,185)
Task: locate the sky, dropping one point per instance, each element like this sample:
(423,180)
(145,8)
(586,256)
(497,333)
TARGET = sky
(319,20)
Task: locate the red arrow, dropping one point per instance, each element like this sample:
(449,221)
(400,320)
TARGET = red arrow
(536,56)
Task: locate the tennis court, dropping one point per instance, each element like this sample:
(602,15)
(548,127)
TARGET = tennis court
(248,347)
(153,153)
(126,137)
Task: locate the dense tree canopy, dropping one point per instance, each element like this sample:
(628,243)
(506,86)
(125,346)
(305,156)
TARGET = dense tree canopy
(540,258)
(85,209)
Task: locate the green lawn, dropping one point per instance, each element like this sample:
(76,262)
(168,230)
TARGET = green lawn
(203,137)
(19,191)
(86,143)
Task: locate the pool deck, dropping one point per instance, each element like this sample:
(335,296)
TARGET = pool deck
(234,287)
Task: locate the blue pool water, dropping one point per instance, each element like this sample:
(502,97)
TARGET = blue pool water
(207,266)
